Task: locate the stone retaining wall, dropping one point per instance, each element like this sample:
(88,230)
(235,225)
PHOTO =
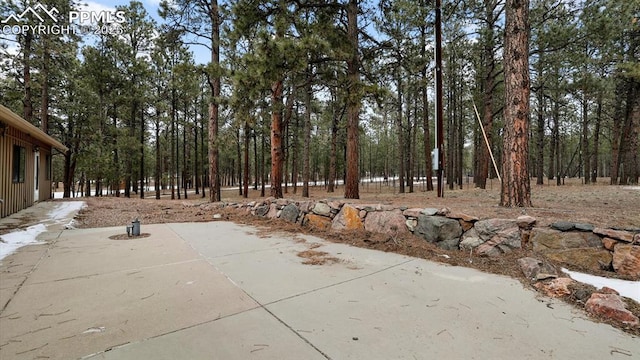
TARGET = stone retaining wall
(582,244)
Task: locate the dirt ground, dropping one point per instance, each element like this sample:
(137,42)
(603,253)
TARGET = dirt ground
(598,204)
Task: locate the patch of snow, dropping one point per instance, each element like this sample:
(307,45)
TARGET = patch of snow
(63,210)
(630,289)
(14,240)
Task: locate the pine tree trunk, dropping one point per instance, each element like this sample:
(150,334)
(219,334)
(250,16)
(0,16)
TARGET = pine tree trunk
(214,178)
(306,152)
(540,138)
(487,94)
(631,131)
(400,132)
(142,146)
(27,102)
(425,111)
(247,144)
(44,92)
(351,189)
(276,139)
(596,141)
(294,155)
(158,172)
(616,132)
(586,159)
(239,168)
(333,151)
(515,189)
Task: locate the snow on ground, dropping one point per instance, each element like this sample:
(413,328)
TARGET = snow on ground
(12,241)
(630,289)
(62,211)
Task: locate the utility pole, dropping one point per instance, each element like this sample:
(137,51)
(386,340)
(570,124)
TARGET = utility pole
(439,150)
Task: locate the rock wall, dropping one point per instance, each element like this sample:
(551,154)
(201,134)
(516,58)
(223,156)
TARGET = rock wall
(585,245)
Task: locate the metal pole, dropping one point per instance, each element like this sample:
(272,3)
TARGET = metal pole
(439,115)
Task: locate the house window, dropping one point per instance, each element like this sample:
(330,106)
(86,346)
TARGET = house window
(19,163)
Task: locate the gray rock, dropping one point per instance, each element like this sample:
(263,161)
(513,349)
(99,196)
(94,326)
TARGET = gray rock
(444,232)
(535,269)
(502,242)
(387,222)
(429,211)
(587,258)
(584,227)
(470,240)
(553,240)
(563,225)
(581,294)
(411,224)
(489,228)
(322,209)
(290,213)
(262,210)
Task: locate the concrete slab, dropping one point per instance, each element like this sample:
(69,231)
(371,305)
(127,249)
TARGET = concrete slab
(422,310)
(269,269)
(221,238)
(253,334)
(82,253)
(63,319)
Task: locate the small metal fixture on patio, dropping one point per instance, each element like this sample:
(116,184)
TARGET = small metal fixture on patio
(134,228)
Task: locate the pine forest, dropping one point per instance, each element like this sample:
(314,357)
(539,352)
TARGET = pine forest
(194,96)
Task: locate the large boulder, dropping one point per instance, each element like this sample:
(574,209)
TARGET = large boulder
(442,231)
(489,228)
(492,237)
(553,240)
(587,258)
(611,306)
(387,222)
(502,242)
(347,219)
(626,260)
(321,209)
(290,213)
(317,222)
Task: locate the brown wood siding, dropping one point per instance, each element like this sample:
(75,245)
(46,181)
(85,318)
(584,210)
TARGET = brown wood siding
(18,196)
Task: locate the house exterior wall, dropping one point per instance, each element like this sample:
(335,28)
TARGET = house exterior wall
(16,196)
